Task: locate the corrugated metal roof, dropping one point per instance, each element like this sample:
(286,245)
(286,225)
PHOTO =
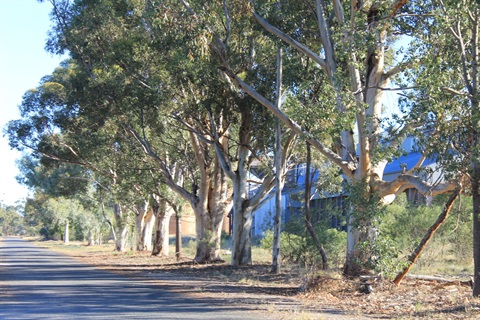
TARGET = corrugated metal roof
(410,160)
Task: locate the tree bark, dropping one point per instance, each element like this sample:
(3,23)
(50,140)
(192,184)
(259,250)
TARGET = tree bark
(475,175)
(140,224)
(66,235)
(213,201)
(475,182)
(122,228)
(353,238)
(91,238)
(308,216)
(162,214)
(431,231)
(147,232)
(178,236)
(210,210)
(242,212)
(277,229)
(242,235)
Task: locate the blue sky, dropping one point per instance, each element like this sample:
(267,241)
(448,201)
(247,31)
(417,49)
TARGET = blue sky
(23,62)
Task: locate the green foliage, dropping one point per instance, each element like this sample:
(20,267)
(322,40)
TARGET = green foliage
(443,99)
(404,226)
(296,246)
(53,178)
(330,181)
(366,207)
(292,247)
(49,215)
(11,222)
(384,256)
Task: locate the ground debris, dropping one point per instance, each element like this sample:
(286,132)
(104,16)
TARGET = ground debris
(414,298)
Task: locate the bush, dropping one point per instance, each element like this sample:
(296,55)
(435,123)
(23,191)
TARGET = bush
(385,257)
(297,247)
(405,225)
(292,247)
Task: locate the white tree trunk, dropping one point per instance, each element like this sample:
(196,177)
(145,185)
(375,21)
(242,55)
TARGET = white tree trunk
(212,203)
(66,236)
(242,234)
(121,222)
(279,170)
(91,237)
(162,212)
(122,239)
(140,223)
(147,233)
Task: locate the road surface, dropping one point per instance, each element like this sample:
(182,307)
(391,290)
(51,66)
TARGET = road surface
(36,283)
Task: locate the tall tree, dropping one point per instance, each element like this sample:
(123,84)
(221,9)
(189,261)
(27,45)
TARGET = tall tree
(446,98)
(352,39)
(240,131)
(127,52)
(56,130)
(279,172)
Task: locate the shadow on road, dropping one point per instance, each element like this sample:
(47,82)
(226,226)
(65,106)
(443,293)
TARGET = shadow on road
(37,283)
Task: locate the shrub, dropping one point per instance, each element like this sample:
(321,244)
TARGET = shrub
(297,247)
(405,225)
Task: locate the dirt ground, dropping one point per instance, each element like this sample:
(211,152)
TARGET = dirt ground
(290,295)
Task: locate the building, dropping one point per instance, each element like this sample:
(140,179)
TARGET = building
(332,206)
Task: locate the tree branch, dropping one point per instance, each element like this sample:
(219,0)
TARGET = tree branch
(431,231)
(417,165)
(220,152)
(188,7)
(399,67)
(396,6)
(163,167)
(347,166)
(406,181)
(191,129)
(294,43)
(456,92)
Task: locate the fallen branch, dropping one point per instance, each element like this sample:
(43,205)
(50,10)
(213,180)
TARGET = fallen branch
(445,282)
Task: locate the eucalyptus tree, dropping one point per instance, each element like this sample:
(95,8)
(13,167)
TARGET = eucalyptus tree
(55,180)
(351,43)
(57,130)
(113,39)
(241,132)
(36,217)
(447,93)
(58,216)
(11,222)
(50,179)
(248,146)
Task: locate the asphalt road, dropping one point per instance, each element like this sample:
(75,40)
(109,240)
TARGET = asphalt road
(36,283)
